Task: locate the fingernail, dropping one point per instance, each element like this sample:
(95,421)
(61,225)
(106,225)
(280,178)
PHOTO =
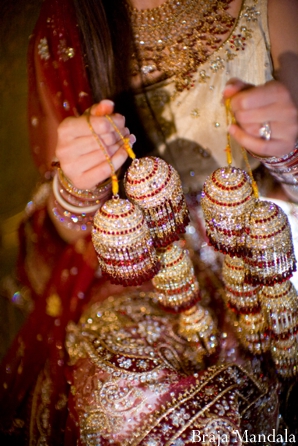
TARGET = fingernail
(108,102)
(132,139)
(231,129)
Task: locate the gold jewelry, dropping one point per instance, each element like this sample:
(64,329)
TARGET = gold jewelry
(69,207)
(265,131)
(228,198)
(280,302)
(96,194)
(257,284)
(155,186)
(241,297)
(227,201)
(123,244)
(121,236)
(197,326)
(269,255)
(176,286)
(115,187)
(175,38)
(253,332)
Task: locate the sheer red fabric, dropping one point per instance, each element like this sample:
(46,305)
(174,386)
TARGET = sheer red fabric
(56,68)
(35,403)
(66,272)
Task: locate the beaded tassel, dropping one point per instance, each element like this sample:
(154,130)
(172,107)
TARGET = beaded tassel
(176,286)
(269,255)
(253,332)
(155,186)
(123,244)
(241,297)
(227,201)
(120,234)
(280,302)
(197,326)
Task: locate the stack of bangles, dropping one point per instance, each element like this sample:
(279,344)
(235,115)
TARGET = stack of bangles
(75,208)
(284,169)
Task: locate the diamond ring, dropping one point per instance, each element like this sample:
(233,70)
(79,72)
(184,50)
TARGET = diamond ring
(265,131)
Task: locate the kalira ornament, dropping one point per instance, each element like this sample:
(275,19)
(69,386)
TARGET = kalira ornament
(198,328)
(123,243)
(227,201)
(280,301)
(155,186)
(241,297)
(269,255)
(253,332)
(176,286)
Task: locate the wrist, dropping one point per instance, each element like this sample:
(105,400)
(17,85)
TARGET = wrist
(285,168)
(83,197)
(76,211)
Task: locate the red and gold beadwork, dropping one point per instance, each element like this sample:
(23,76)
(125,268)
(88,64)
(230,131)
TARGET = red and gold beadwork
(253,332)
(123,244)
(176,286)
(241,297)
(197,326)
(280,302)
(227,201)
(269,255)
(155,186)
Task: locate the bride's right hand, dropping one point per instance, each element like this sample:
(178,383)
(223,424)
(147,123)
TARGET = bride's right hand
(79,154)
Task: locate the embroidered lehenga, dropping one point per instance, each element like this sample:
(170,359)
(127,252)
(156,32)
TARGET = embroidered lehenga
(121,374)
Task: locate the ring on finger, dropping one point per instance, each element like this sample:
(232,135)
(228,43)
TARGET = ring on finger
(265,131)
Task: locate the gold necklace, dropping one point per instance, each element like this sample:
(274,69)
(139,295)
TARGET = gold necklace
(173,39)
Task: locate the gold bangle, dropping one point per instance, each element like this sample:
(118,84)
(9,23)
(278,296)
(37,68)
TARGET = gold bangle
(94,194)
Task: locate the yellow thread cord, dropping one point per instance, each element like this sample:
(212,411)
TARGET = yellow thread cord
(115,185)
(253,182)
(229,120)
(125,141)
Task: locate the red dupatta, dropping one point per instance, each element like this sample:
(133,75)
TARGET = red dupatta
(55,64)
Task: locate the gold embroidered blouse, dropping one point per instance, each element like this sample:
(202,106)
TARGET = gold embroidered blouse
(193,135)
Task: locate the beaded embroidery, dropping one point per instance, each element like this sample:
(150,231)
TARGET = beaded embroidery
(134,383)
(178,36)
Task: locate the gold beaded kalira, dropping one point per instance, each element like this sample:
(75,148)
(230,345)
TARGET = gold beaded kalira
(227,202)
(253,332)
(175,38)
(280,302)
(123,244)
(198,327)
(269,255)
(155,187)
(176,286)
(241,297)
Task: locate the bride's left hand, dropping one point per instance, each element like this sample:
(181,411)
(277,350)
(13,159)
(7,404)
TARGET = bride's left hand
(253,106)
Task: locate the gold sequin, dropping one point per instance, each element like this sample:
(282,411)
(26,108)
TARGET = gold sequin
(54,307)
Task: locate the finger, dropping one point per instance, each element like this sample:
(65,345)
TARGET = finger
(102,125)
(269,113)
(104,107)
(71,128)
(101,171)
(259,146)
(270,93)
(79,146)
(279,130)
(76,169)
(114,138)
(233,86)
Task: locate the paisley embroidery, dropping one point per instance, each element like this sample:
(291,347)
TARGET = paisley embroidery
(134,381)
